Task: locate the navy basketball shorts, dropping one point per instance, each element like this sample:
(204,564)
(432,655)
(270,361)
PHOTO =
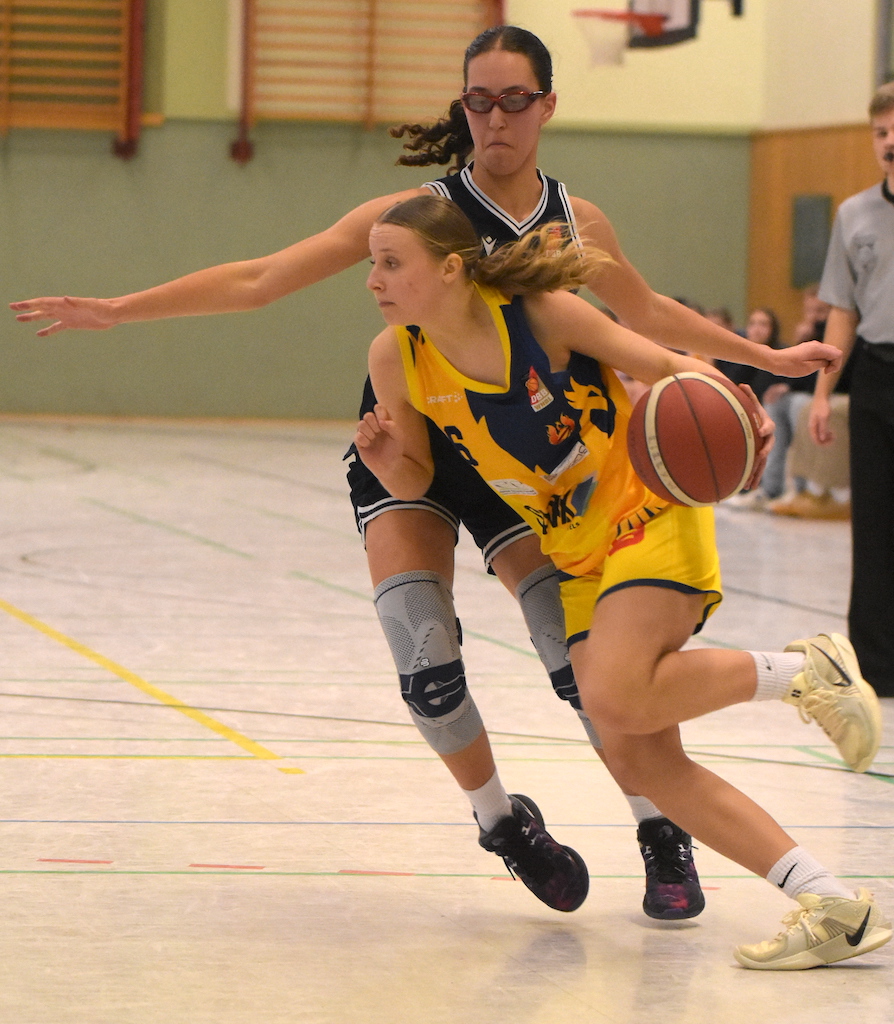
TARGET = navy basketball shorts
(457,495)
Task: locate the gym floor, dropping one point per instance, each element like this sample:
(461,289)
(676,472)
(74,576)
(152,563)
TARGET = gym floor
(217,811)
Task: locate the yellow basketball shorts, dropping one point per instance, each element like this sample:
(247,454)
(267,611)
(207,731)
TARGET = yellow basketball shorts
(676,549)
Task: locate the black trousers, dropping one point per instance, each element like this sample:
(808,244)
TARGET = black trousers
(871,613)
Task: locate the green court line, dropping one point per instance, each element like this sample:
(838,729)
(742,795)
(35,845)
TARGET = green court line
(67,456)
(250,471)
(295,573)
(367,598)
(287,517)
(64,456)
(168,528)
(337,587)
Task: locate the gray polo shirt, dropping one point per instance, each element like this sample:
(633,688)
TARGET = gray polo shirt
(859,270)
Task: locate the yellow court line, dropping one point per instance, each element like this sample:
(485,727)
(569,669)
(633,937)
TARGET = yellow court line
(255,749)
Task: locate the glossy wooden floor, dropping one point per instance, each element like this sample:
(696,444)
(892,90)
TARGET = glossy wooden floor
(216,811)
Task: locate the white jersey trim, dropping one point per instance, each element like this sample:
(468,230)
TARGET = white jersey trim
(519,227)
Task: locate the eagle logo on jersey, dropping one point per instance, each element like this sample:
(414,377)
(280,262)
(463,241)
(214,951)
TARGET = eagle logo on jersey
(548,442)
(561,431)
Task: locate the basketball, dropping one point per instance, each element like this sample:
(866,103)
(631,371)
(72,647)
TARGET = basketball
(693,438)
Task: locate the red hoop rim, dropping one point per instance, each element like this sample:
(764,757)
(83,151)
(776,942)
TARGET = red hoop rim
(651,24)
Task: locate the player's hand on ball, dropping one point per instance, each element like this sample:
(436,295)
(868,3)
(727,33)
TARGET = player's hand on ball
(767,434)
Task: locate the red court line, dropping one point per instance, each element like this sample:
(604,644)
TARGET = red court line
(64,860)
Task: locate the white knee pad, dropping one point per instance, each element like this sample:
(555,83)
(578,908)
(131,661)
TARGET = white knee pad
(418,618)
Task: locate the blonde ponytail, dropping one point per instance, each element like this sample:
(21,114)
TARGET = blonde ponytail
(544,260)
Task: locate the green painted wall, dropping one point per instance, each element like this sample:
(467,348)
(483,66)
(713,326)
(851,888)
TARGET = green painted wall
(76,220)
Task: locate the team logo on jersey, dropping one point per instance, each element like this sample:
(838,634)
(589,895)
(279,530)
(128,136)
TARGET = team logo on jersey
(488,243)
(556,239)
(596,397)
(537,392)
(561,431)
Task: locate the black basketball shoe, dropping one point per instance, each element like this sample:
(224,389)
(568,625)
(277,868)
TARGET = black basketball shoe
(556,874)
(672,887)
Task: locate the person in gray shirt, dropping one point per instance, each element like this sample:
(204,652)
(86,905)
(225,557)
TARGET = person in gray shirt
(858,283)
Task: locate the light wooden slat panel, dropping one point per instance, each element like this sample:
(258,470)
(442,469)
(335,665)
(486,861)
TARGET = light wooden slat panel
(64,63)
(67,5)
(378,46)
(60,22)
(23,74)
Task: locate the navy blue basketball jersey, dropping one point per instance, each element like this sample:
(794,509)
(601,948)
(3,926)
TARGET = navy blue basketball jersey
(494,226)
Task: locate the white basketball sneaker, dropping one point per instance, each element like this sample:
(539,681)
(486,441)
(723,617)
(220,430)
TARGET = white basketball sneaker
(831,691)
(822,931)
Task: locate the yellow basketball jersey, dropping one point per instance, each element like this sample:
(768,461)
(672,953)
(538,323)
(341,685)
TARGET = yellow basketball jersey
(552,445)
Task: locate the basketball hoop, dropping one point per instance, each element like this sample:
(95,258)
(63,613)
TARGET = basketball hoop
(608,32)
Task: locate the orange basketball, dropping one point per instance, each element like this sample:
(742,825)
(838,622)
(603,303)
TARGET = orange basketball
(693,438)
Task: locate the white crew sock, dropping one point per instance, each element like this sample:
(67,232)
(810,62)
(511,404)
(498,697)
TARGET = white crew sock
(643,808)
(797,872)
(490,803)
(775,673)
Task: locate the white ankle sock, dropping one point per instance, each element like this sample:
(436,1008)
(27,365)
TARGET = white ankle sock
(643,808)
(797,872)
(775,673)
(491,802)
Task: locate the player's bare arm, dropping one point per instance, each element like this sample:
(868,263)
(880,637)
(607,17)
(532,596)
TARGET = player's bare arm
(393,439)
(563,323)
(623,289)
(226,288)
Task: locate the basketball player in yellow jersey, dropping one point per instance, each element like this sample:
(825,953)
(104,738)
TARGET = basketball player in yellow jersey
(541,439)
(630,606)
(508,97)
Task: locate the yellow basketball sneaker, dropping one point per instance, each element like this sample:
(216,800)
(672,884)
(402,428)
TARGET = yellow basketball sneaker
(831,691)
(823,931)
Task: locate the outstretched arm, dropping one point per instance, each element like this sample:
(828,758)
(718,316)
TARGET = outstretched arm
(671,324)
(563,323)
(227,288)
(393,439)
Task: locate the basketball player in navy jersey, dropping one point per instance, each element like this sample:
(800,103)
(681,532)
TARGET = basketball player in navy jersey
(507,99)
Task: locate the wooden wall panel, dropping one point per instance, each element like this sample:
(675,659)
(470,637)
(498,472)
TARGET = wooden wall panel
(827,161)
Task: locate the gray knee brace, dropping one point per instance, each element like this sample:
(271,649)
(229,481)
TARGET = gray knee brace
(418,619)
(541,604)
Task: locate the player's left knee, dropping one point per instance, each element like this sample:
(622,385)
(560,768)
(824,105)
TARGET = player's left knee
(619,709)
